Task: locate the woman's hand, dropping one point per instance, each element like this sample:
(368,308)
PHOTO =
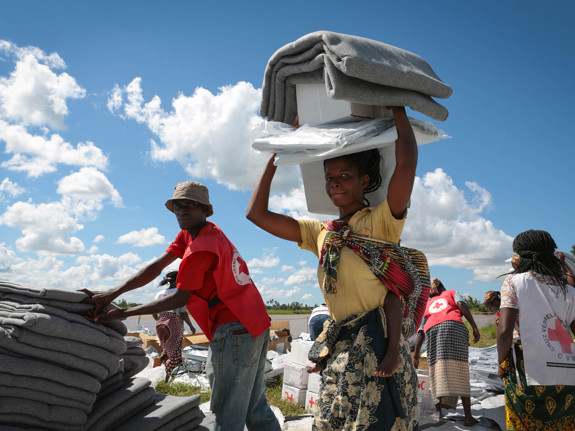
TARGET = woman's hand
(109,315)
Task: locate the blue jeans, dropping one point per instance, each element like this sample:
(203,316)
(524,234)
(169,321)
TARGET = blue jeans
(235,367)
(316,325)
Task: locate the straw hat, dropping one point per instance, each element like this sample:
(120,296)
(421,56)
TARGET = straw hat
(193,191)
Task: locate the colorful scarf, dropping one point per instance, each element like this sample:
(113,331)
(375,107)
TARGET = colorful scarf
(402,270)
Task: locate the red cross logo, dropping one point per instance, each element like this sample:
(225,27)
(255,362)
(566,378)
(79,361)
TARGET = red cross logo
(438,305)
(312,402)
(560,335)
(289,397)
(420,384)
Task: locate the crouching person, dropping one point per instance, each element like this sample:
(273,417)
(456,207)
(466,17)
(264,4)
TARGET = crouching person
(214,284)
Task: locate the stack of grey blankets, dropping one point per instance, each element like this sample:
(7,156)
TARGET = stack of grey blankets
(353,68)
(60,371)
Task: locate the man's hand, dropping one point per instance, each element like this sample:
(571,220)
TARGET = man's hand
(101,299)
(109,313)
(476,335)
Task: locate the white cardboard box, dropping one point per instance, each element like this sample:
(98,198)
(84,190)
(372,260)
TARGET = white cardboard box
(315,107)
(296,375)
(314,382)
(424,396)
(293,394)
(310,400)
(299,352)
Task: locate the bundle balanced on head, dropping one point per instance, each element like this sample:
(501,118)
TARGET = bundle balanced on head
(368,375)
(214,284)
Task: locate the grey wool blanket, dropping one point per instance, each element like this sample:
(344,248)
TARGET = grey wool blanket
(352,68)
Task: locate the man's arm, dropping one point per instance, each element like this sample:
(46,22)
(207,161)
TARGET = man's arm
(169,302)
(144,276)
(186,318)
(417,349)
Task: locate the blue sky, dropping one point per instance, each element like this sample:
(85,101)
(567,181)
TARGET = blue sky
(105,106)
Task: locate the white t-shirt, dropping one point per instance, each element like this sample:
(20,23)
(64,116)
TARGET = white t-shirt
(170,291)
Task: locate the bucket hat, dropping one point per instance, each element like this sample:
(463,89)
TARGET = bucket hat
(193,191)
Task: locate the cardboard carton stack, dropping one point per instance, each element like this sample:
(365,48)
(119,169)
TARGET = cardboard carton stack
(296,376)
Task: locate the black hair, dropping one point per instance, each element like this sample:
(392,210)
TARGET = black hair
(172,275)
(536,250)
(367,163)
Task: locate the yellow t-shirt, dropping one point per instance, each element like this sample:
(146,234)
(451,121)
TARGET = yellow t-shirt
(358,289)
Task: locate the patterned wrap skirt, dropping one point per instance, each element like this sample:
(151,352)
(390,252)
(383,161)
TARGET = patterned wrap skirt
(170,330)
(549,408)
(448,362)
(351,397)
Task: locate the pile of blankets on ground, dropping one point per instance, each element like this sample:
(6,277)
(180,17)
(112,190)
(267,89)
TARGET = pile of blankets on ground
(60,371)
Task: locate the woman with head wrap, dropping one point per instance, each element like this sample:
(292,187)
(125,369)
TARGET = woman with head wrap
(170,327)
(492,301)
(536,352)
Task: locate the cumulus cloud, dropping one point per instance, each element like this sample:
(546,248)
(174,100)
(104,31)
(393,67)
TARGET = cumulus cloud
(9,188)
(306,276)
(89,184)
(34,94)
(269,260)
(271,292)
(452,230)
(142,238)
(37,155)
(226,123)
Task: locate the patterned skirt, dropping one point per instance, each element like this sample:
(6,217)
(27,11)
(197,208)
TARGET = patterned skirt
(448,361)
(549,408)
(351,397)
(170,330)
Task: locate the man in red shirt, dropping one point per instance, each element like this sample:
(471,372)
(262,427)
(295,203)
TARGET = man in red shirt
(214,284)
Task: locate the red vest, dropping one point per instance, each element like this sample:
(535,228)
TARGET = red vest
(233,282)
(441,308)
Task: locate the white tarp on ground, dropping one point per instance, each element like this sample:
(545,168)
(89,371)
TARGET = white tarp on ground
(487,399)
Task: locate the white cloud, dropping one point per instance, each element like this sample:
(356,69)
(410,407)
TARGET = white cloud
(303,277)
(89,184)
(209,134)
(278,294)
(269,260)
(142,238)
(37,155)
(34,94)
(7,187)
(451,230)
(99,238)
(307,296)
(46,228)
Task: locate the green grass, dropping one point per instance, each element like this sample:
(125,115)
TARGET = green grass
(273,395)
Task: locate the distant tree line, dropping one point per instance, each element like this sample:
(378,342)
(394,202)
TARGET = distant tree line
(123,304)
(272,304)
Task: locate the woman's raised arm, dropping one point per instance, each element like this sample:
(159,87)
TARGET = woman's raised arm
(280,225)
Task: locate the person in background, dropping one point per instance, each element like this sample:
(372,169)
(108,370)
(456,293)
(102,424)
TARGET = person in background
(447,341)
(316,320)
(492,301)
(534,347)
(214,284)
(170,327)
(369,381)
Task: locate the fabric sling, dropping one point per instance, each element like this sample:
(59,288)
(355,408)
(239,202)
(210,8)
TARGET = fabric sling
(404,271)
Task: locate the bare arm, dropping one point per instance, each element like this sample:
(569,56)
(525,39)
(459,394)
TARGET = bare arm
(170,302)
(462,305)
(417,349)
(144,276)
(186,318)
(505,333)
(401,182)
(280,225)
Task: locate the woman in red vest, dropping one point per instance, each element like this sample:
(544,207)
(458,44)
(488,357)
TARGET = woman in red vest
(447,340)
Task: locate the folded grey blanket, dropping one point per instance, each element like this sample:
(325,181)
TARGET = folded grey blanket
(123,412)
(27,422)
(194,424)
(68,327)
(54,357)
(190,420)
(52,374)
(107,359)
(133,364)
(32,411)
(165,409)
(106,406)
(111,384)
(73,307)
(44,397)
(352,68)
(41,292)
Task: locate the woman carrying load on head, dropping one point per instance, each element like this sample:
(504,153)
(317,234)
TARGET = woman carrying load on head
(536,352)
(369,381)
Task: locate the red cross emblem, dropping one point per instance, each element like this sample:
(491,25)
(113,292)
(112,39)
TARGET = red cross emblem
(561,336)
